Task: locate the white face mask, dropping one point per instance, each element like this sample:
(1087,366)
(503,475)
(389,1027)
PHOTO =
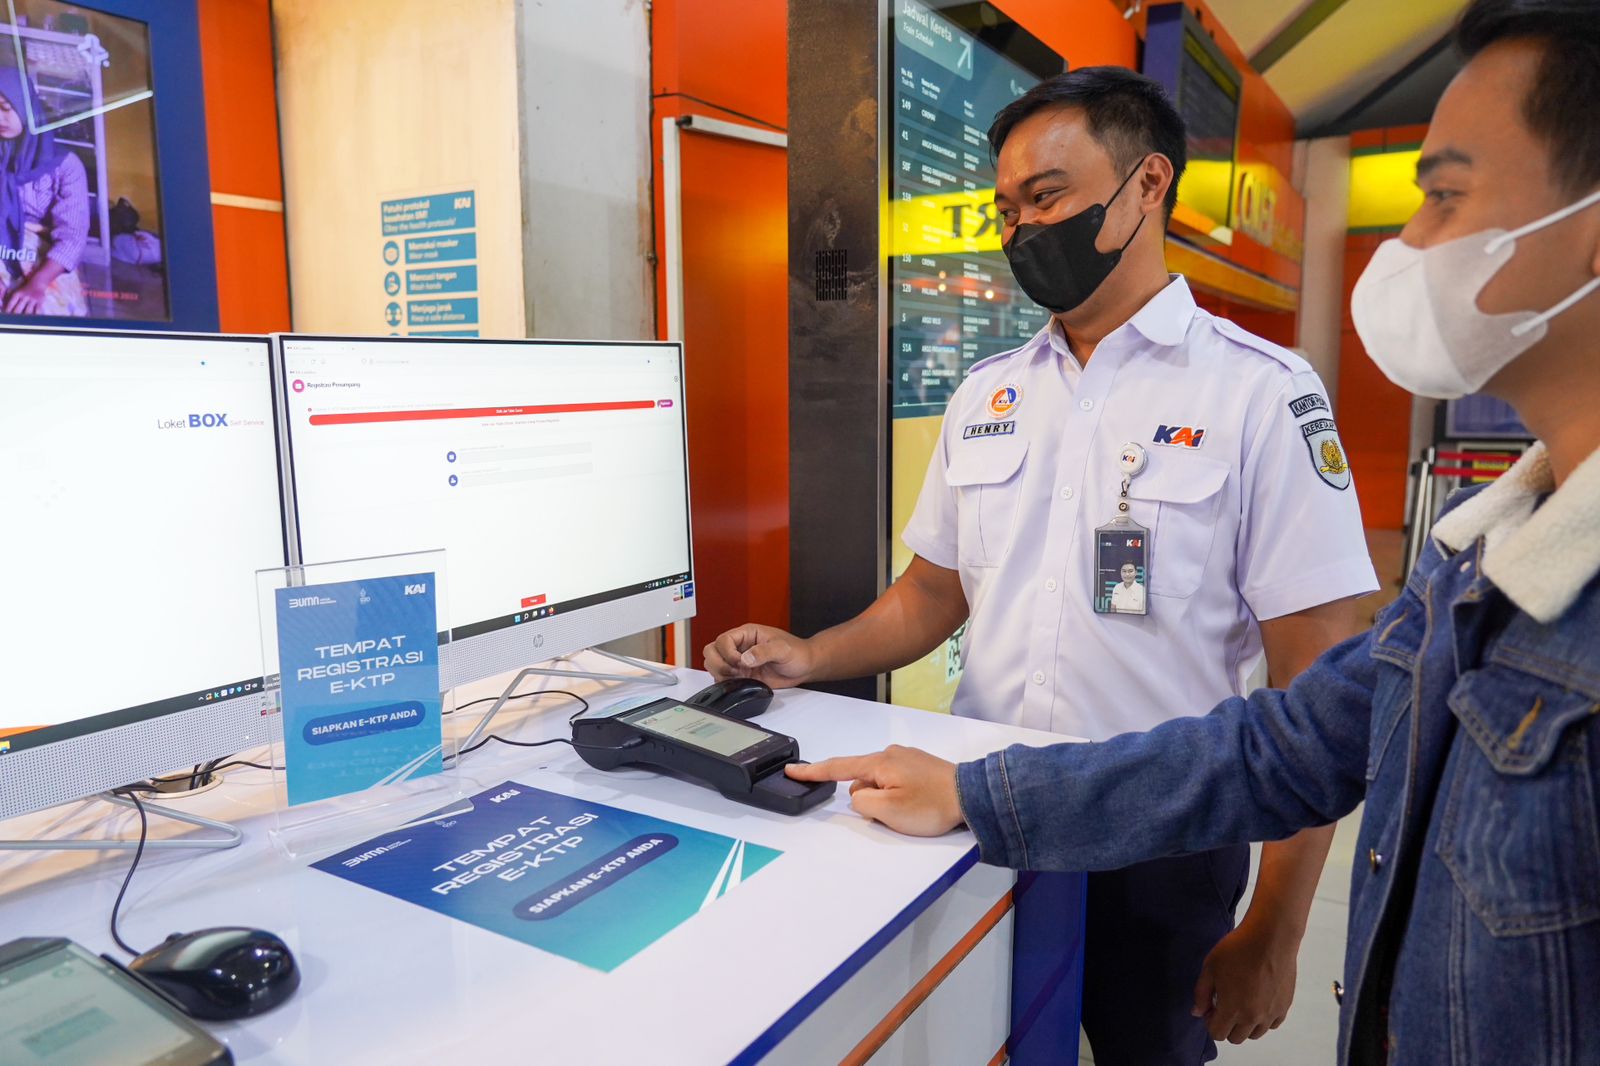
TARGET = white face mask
(1416,310)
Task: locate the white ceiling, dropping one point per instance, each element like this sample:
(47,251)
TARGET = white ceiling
(1352,50)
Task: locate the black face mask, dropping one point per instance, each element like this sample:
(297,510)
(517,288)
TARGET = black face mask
(1057,263)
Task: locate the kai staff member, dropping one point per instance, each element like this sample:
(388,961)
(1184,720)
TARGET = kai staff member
(1128,596)
(1133,405)
(1466,718)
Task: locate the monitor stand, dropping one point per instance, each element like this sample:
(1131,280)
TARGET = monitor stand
(231,836)
(653,675)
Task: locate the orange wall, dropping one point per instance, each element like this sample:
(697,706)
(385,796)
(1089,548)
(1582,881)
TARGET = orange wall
(728,59)
(1374,413)
(242,144)
(1276,326)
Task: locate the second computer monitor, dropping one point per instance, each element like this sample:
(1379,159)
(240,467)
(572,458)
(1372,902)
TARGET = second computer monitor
(553,473)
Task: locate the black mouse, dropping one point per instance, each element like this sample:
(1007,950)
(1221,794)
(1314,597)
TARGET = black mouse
(737,697)
(222,973)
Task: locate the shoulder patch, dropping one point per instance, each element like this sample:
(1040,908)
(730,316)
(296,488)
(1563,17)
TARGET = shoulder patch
(1241,336)
(1311,401)
(1327,452)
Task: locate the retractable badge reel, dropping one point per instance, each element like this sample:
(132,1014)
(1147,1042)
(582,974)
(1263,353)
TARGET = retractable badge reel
(1122,549)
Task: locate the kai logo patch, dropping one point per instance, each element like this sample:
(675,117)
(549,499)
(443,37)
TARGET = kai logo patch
(1327,453)
(1180,436)
(1004,400)
(988,429)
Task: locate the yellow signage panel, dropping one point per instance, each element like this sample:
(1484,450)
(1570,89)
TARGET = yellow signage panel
(949,223)
(930,682)
(1383,189)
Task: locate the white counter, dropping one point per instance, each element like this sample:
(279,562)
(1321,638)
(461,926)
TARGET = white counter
(796,964)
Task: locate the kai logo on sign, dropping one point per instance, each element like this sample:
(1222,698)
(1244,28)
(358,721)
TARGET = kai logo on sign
(1180,436)
(417,590)
(1004,400)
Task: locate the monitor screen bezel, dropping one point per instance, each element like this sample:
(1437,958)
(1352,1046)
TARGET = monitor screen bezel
(33,761)
(534,633)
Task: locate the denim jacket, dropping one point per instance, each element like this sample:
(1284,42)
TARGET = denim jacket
(1465,719)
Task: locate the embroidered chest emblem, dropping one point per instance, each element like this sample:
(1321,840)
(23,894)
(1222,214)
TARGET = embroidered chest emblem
(1004,400)
(1180,436)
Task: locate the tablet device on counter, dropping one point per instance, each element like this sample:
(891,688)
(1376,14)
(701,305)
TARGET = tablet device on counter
(61,1005)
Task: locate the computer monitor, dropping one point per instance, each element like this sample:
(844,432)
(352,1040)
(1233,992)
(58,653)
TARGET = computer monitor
(139,483)
(553,473)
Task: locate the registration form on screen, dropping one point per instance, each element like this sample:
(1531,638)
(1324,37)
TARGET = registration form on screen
(139,479)
(552,473)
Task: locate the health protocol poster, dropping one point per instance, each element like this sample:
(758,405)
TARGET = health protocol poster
(360,684)
(582,880)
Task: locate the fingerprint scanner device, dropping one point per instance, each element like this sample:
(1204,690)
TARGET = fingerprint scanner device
(742,761)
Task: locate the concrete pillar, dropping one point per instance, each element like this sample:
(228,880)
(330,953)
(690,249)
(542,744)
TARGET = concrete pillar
(1327,192)
(583,75)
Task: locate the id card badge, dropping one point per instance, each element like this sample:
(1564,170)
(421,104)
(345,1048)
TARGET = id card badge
(1121,551)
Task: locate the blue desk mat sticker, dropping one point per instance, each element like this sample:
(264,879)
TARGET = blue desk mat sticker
(360,668)
(589,882)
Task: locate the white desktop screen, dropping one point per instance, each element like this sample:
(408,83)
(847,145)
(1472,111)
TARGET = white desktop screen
(139,480)
(553,473)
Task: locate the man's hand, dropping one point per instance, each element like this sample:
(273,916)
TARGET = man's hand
(906,789)
(1247,983)
(781,659)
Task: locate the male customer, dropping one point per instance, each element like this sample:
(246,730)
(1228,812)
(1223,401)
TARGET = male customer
(1468,717)
(1135,427)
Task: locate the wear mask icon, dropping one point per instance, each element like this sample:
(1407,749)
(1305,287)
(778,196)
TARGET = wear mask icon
(1416,310)
(1057,263)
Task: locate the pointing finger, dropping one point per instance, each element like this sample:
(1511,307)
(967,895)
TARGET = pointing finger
(847,768)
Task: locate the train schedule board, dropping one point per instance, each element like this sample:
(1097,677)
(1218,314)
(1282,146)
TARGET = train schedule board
(952,300)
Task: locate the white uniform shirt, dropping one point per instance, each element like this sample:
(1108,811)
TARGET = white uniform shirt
(1246,493)
(1128,598)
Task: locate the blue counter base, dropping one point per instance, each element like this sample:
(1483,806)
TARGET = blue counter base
(1046,968)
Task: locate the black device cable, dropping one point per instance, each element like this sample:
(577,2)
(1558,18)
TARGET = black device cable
(582,709)
(583,706)
(203,771)
(215,766)
(138,853)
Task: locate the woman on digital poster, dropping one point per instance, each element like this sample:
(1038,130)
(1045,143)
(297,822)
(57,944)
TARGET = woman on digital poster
(44,212)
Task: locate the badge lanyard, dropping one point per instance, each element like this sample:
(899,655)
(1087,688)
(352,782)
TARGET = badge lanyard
(1122,549)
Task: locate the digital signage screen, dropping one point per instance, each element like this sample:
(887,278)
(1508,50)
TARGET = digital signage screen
(1205,88)
(952,299)
(105,212)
